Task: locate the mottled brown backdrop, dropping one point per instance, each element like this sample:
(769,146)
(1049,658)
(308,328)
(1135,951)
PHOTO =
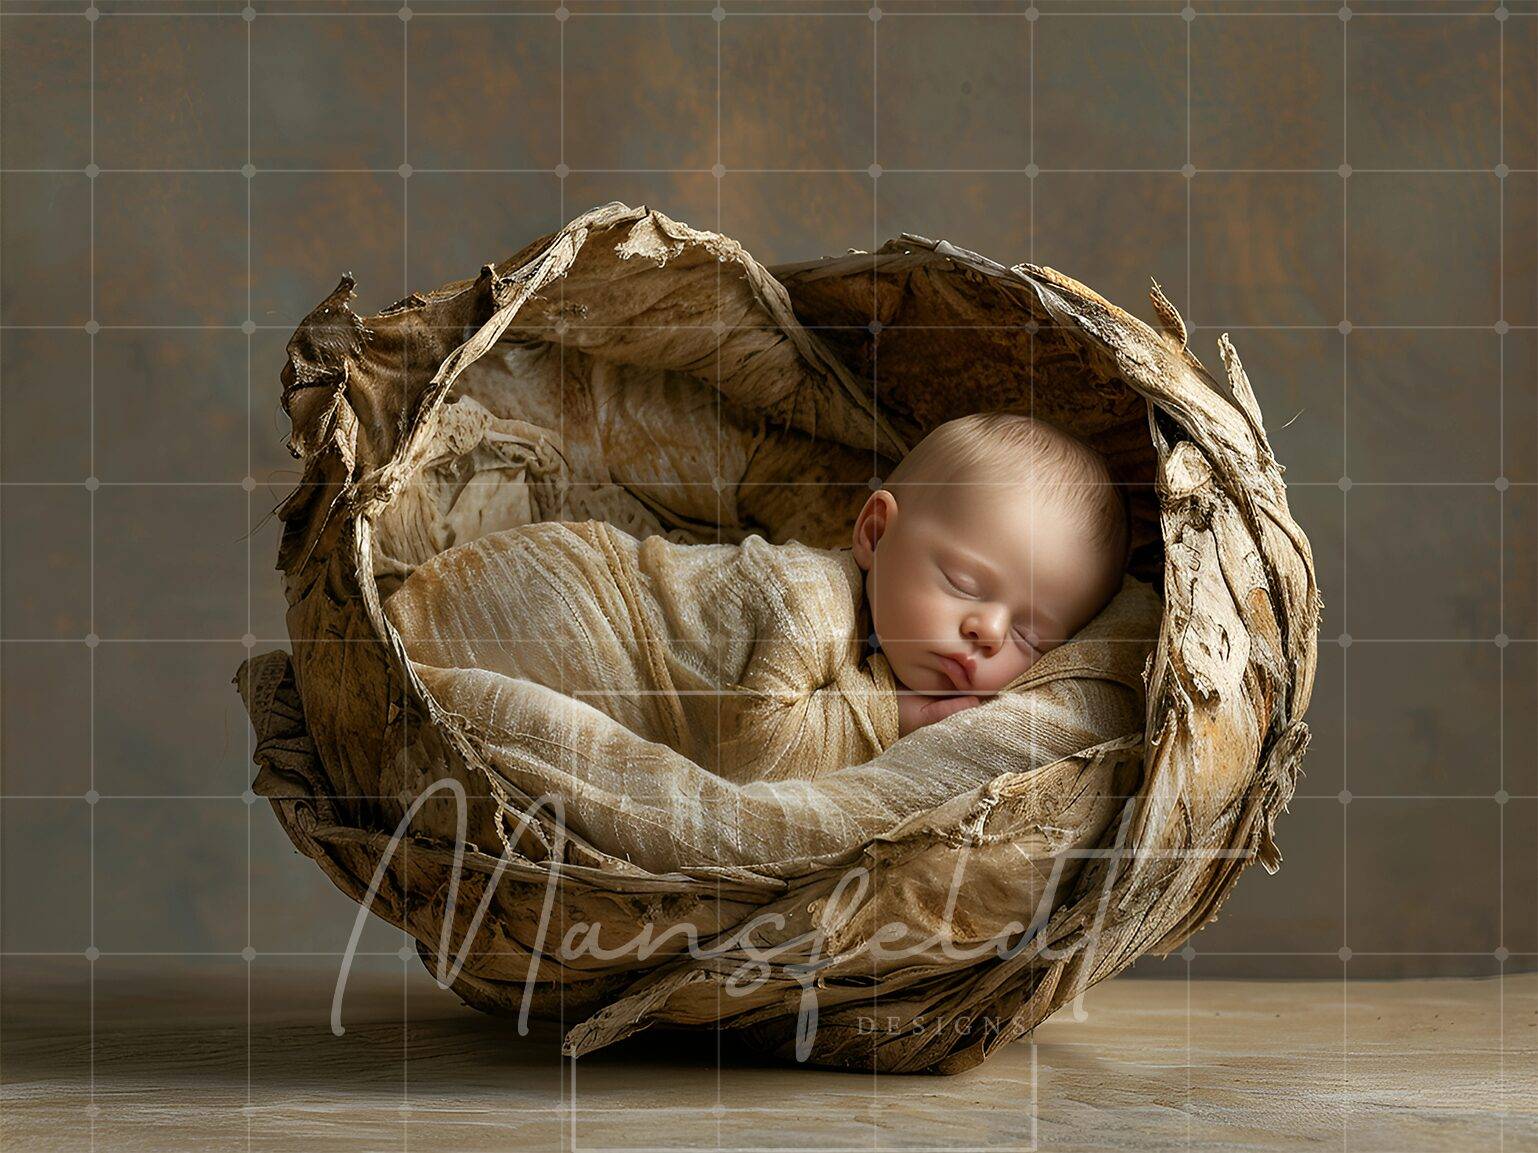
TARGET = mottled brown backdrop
(1353,199)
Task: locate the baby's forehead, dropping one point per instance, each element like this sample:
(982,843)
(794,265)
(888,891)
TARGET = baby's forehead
(1013,532)
(1007,505)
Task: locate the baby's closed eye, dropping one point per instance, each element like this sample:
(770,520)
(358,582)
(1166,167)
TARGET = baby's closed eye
(1026,635)
(952,581)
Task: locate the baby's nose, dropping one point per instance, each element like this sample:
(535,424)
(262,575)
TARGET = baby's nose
(988,627)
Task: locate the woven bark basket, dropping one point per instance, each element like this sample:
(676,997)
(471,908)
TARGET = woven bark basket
(632,369)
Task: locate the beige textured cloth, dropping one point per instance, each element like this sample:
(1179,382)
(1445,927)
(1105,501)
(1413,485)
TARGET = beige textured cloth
(713,704)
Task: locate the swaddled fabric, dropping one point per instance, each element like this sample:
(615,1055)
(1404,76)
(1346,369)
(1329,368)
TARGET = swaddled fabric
(716,704)
(746,659)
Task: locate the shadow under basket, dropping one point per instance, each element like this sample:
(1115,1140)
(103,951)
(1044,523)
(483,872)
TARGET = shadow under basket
(631,369)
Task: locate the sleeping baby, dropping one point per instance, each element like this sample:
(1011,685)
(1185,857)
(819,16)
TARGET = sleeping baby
(575,652)
(994,541)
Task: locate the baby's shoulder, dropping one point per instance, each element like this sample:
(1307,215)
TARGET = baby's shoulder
(795,554)
(794,575)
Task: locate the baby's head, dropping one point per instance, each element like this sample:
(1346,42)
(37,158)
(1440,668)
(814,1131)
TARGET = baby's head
(995,540)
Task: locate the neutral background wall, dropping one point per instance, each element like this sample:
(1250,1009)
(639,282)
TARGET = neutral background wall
(160,240)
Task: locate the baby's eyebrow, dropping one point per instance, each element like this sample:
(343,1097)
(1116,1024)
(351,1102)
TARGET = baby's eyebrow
(973,558)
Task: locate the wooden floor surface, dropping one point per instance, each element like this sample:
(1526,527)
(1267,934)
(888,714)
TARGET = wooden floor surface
(222,1055)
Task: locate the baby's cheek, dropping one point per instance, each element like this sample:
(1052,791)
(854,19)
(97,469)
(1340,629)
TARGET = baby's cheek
(939,616)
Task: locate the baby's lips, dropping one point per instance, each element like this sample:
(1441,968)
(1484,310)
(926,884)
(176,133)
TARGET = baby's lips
(954,671)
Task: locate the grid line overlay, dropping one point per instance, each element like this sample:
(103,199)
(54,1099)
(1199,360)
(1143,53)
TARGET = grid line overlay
(250,328)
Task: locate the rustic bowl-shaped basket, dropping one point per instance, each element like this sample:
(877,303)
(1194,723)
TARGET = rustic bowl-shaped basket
(632,369)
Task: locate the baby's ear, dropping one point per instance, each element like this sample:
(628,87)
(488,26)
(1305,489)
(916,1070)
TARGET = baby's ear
(869,526)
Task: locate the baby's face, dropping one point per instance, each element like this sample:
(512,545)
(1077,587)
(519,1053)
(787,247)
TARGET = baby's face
(990,581)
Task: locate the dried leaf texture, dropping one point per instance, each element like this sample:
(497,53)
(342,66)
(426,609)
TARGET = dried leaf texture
(628,370)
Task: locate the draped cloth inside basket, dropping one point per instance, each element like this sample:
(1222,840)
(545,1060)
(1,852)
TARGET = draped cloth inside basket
(717,704)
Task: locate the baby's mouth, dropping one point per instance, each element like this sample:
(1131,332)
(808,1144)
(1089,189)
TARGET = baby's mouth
(955,671)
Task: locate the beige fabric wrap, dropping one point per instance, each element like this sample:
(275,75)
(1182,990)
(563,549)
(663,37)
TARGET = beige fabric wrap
(716,704)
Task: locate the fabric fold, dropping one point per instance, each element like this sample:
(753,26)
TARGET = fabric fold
(719,704)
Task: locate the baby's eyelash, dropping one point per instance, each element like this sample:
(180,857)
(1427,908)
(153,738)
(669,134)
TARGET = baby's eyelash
(953,584)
